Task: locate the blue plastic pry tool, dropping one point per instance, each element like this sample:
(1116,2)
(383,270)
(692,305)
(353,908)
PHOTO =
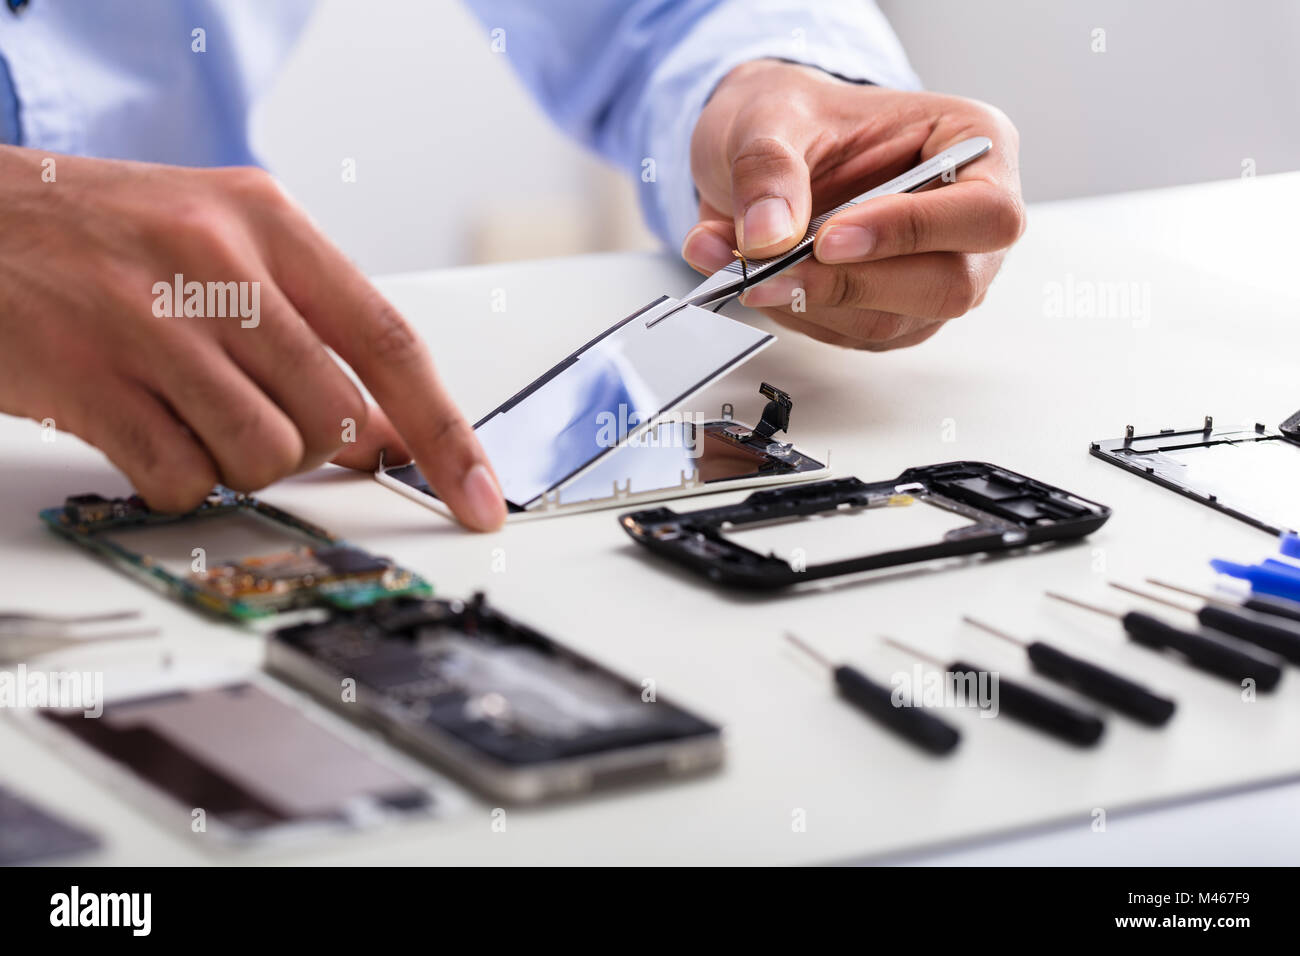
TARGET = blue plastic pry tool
(1271,577)
(1289,545)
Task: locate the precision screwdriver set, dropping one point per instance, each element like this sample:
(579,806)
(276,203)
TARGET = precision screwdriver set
(1248,646)
(1246,642)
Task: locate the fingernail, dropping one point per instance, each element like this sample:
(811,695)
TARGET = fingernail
(705,250)
(484,506)
(766,223)
(770,293)
(845,244)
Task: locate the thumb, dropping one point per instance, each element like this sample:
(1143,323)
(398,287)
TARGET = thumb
(770,193)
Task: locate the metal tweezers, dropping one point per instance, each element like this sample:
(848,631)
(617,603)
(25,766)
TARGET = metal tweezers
(24,635)
(735,277)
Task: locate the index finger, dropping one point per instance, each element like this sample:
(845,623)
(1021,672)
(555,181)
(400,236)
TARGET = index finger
(981,211)
(368,333)
(966,216)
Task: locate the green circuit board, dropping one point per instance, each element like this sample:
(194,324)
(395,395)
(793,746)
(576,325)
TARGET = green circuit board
(316,570)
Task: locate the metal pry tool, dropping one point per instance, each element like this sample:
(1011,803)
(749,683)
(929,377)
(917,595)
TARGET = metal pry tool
(734,278)
(24,636)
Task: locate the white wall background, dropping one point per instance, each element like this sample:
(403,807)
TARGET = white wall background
(455,165)
(1186,91)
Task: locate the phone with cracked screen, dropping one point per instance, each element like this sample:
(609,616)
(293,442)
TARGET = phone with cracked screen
(239,760)
(604,426)
(492,701)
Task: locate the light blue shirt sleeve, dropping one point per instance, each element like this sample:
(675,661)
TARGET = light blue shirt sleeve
(173,81)
(629,79)
(169,81)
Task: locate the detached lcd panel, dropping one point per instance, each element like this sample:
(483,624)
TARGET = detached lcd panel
(662,457)
(252,762)
(601,395)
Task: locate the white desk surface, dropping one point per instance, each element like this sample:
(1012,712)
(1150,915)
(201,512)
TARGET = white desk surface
(1022,389)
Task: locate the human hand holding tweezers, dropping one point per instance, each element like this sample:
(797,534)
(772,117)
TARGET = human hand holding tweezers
(734,278)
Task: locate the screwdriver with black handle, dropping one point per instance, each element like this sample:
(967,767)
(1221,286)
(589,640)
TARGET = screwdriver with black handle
(1205,653)
(915,723)
(1089,679)
(1270,634)
(1027,705)
(1282,640)
(1272,606)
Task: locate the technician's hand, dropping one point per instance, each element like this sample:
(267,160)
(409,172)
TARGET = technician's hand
(778,143)
(181,403)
